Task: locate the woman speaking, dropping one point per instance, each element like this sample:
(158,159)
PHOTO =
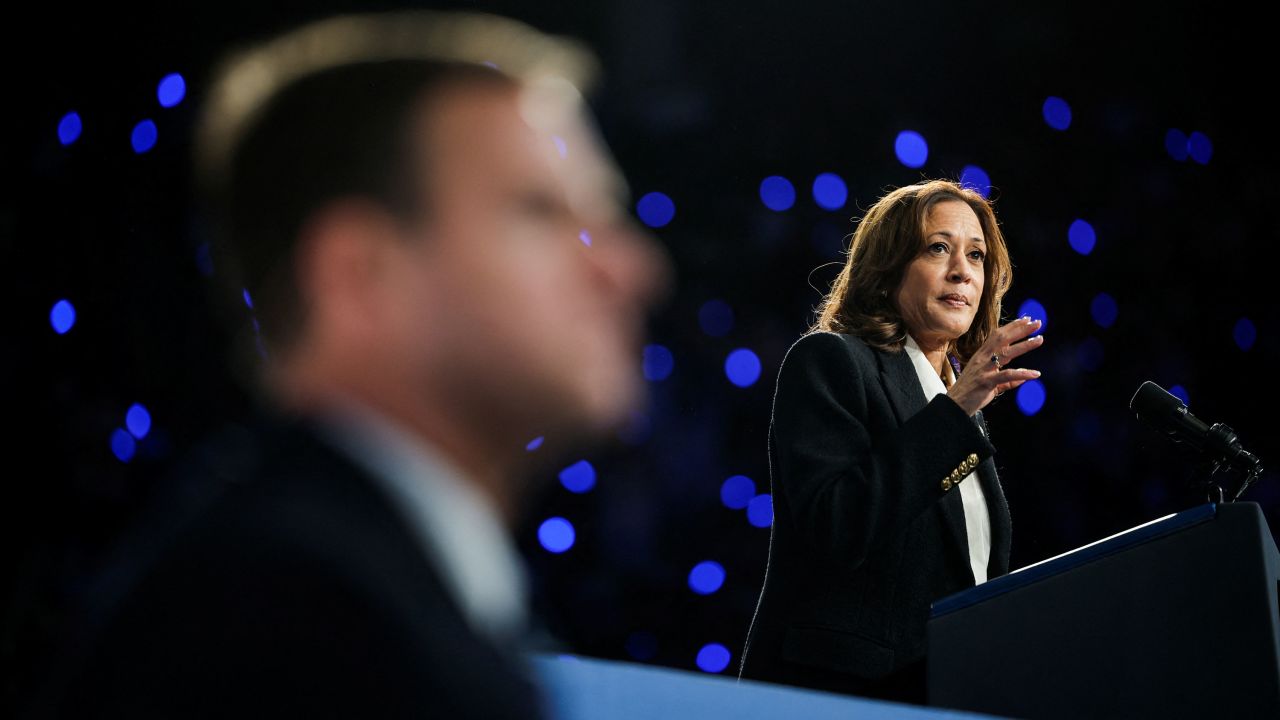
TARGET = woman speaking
(885,494)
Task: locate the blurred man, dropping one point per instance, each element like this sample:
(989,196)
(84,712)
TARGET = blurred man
(439,266)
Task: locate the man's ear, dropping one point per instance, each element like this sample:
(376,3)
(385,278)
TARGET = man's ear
(341,261)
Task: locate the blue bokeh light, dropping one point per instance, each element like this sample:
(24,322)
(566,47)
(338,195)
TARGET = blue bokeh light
(534,444)
(713,658)
(829,191)
(742,367)
(706,577)
(248,299)
(1175,143)
(62,317)
(1200,147)
(144,136)
(123,446)
(1104,310)
(911,149)
(585,237)
(716,318)
(578,477)
(1056,112)
(737,491)
(561,147)
(137,420)
(1082,237)
(69,128)
(1245,333)
(760,510)
(171,90)
(658,363)
(1031,397)
(976,178)
(556,534)
(777,193)
(642,645)
(656,209)
(1032,307)
(1181,393)
(1089,354)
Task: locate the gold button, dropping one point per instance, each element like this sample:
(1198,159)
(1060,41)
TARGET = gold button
(973,459)
(946,484)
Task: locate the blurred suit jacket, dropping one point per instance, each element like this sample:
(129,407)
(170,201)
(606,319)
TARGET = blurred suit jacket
(864,536)
(280,580)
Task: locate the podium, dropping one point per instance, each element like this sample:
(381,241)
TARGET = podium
(1179,617)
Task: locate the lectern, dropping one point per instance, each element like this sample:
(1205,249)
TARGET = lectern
(1175,618)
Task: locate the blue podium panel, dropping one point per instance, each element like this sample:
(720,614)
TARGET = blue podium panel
(1179,617)
(578,688)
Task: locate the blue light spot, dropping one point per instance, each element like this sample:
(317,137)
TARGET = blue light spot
(656,209)
(1031,397)
(1175,143)
(1057,113)
(1181,393)
(248,299)
(534,444)
(204,260)
(560,146)
(829,191)
(760,510)
(658,363)
(706,577)
(1200,147)
(777,193)
(1245,333)
(69,128)
(911,148)
(1082,237)
(742,367)
(62,317)
(713,658)
(123,446)
(1089,355)
(1104,310)
(716,318)
(144,136)
(977,179)
(578,477)
(585,237)
(138,421)
(556,534)
(171,90)
(642,645)
(737,491)
(1036,311)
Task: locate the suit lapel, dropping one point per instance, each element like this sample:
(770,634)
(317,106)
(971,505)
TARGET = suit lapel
(902,386)
(998,507)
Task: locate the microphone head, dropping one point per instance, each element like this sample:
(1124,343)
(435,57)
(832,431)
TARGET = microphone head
(1156,406)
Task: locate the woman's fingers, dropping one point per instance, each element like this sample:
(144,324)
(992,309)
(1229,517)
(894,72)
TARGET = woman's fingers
(1021,348)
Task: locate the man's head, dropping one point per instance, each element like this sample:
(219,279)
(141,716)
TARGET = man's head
(436,235)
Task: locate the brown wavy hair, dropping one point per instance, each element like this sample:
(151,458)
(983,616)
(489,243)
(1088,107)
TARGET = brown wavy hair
(888,238)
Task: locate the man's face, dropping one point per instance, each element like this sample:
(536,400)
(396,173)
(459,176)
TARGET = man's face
(525,294)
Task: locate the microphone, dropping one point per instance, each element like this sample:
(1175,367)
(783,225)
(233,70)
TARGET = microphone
(1164,411)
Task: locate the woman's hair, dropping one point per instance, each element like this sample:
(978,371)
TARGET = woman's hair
(888,239)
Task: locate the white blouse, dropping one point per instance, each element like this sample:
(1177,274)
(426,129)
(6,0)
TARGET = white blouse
(977,521)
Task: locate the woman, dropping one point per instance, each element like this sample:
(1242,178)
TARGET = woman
(885,495)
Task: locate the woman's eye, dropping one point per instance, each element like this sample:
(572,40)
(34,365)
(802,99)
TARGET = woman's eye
(978,255)
(938,247)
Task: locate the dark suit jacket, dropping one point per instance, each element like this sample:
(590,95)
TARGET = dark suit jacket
(280,582)
(868,530)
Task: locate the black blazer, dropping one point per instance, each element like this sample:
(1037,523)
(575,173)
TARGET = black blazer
(281,582)
(868,524)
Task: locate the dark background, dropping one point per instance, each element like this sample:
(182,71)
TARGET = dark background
(701,101)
